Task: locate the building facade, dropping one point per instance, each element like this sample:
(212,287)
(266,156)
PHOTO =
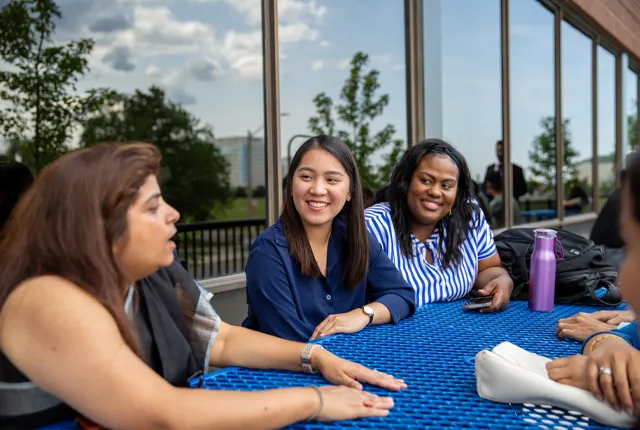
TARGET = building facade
(556,81)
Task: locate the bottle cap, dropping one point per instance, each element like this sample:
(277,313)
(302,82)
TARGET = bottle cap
(545,233)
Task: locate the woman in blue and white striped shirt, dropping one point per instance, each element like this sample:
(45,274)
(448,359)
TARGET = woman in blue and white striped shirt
(434,231)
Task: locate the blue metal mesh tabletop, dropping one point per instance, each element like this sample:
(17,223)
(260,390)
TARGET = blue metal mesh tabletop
(434,353)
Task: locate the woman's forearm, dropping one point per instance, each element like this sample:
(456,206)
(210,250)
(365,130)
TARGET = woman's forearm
(381,314)
(238,346)
(488,275)
(273,409)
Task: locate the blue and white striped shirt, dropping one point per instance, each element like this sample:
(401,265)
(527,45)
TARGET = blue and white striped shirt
(431,281)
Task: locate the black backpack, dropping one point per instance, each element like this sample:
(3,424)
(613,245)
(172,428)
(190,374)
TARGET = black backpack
(583,276)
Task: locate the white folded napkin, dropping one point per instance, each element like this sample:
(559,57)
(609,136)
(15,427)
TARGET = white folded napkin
(510,374)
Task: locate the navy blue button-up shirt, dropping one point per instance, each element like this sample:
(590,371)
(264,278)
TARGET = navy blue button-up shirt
(285,303)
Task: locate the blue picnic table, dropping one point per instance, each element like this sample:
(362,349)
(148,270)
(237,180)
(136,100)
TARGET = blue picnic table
(434,352)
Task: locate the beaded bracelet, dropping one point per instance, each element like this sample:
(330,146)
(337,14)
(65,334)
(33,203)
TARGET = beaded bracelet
(598,339)
(317,412)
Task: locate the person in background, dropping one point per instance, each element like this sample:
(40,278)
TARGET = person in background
(519,183)
(609,365)
(493,182)
(576,200)
(481,199)
(317,271)
(606,230)
(15,178)
(116,328)
(434,232)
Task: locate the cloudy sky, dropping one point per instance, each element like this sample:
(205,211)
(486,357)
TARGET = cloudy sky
(207,55)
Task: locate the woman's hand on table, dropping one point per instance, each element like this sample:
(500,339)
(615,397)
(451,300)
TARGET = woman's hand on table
(344,403)
(615,317)
(339,371)
(581,326)
(348,322)
(613,372)
(501,288)
(570,371)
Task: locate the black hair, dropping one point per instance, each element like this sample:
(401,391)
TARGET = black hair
(15,178)
(462,211)
(494,180)
(631,176)
(357,252)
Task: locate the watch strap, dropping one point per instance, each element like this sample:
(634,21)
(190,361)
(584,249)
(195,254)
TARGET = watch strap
(370,315)
(306,357)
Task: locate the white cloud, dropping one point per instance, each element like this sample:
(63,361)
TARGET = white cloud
(157,26)
(398,67)
(381,59)
(288,10)
(146,30)
(343,64)
(174,81)
(294,10)
(248,67)
(317,65)
(243,51)
(324,44)
(293,33)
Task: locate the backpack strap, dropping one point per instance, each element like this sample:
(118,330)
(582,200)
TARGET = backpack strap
(613,296)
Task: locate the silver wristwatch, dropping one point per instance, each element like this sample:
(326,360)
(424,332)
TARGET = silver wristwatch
(369,311)
(306,357)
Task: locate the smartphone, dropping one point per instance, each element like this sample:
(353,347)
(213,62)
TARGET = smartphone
(477,303)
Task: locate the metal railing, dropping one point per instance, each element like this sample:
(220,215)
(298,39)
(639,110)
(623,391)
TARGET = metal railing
(211,249)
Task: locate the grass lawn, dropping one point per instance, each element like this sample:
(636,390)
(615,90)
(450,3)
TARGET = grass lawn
(239,209)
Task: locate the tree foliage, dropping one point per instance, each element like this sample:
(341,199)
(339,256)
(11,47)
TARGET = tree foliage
(543,155)
(195,177)
(632,127)
(38,82)
(359,106)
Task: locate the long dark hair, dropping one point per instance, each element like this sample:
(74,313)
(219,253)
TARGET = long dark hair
(462,211)
(67,222)
(357,252)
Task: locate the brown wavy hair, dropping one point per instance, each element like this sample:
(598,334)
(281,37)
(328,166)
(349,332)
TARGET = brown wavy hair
(68,221)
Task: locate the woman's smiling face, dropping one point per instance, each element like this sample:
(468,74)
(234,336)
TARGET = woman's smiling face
(433,189)
(320,187)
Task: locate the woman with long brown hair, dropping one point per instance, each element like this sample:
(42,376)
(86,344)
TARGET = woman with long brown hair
(88,325)
(326,273)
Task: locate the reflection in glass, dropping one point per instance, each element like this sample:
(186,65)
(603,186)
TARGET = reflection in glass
(533,142)
(630,105)
(187,77)
(463,88)
(576,110)
(606,123)
(346,78)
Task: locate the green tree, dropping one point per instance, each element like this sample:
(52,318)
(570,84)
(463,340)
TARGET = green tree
(632,126)
(543,155)
(360,105)
(39,85)
(195,175)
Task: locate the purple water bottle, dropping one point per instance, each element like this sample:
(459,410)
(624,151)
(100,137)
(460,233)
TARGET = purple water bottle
(542,277)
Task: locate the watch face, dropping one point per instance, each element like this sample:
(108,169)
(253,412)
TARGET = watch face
(368,310)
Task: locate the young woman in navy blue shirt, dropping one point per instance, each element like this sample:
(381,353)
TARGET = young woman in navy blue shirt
(317,271)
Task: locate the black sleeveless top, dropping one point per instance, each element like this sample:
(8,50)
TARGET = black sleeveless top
(176,326)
